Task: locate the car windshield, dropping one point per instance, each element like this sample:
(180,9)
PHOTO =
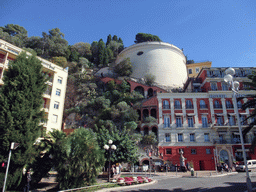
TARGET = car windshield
(241,163)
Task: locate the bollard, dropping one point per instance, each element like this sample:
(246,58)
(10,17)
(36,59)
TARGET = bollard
(192,172)
(196,174)
(210,173)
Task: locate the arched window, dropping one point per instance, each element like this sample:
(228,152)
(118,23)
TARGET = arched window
(177,104)
(217,104)
(202,104)
(166,104)
(239,104)
(228,104)
(189,104)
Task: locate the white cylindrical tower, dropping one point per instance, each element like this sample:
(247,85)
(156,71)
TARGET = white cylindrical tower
(163,60)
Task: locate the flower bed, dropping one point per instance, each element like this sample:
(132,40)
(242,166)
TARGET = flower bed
(132,180)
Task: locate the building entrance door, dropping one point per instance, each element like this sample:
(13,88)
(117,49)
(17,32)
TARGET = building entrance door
(224,156)
(201,165)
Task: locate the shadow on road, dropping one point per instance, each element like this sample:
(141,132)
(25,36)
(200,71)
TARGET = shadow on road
(231,187)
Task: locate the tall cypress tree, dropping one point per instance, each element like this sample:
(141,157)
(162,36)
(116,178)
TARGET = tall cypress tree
(20,114)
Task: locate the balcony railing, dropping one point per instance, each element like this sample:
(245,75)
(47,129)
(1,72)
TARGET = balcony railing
(189,107)
(217,106)
(2,60)
(229,106)
(166,106)
(230,141)
(177,106)
(203,106)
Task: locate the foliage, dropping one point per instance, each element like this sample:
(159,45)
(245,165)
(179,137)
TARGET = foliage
(149,79)
(14,34)
(144,37)
(80,161)
(60,61)
(126,150)
(151,119)
(251,103)
(20,108)
(124,68)
(149,139)
(84,49)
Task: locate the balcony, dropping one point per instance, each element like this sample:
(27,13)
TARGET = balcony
(177,106)
(218,106)
(230,141)
(229,106)
(189,107)
(166,106)
(203,106)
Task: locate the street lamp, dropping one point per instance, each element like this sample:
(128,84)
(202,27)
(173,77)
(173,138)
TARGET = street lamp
(228,78)
(110,149)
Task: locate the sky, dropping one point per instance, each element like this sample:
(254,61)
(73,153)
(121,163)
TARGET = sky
(208,30)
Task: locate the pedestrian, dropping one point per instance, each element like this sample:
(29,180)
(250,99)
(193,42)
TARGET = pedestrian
(117,171)
(28,178)
(113,171)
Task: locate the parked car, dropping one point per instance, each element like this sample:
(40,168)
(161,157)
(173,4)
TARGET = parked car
(251,164)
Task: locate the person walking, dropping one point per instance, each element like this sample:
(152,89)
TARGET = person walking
(28,177)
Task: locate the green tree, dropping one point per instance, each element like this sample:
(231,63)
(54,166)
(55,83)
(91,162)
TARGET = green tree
(80,159)
(109,38)
(20,108)
(144,37)
(126,150)
(124,68)
(251,103)
(101,52)
(84,49)
(149,79)
(149,139)
(60,61)
(14,34)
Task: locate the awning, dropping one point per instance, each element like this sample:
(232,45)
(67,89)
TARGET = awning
(179,114)
(232,114)
(190,114)
(219,114)
(236,133)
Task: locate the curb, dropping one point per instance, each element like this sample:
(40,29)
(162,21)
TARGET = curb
(126,187)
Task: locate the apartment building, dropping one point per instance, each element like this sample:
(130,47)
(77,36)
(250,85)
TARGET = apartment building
(195,68)
(54,96)
(202,122)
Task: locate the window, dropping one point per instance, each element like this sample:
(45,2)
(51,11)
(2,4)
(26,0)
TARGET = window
(168,151)
(180,137)
(140,53)
(219,120)
(60,80)
(56,105)
(239,104)
(224,86)
(214,86)
(204,121)
(58,92)
(228,104)
(177,104)
(197,69)
(54,118)
(178,121)
(189,104)
(208,151)
(190,71)
(231,120)
(190,122)
(192,137)
(167,137)
(217,105)
(242,120)
(206,137)
(193,151)
(166,104)
(202,104)
(166,121)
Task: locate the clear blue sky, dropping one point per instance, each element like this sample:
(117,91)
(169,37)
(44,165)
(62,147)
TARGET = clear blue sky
(219,31)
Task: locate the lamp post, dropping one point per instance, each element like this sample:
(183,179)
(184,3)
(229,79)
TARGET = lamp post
(235,87)
(110,149)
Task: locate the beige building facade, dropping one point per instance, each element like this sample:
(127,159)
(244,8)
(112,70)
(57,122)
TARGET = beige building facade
(195,68)
(54,96)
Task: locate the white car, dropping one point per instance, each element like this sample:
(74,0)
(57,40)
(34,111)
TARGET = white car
(251,164)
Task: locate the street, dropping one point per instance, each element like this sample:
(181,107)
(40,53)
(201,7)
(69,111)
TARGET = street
(213,184)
